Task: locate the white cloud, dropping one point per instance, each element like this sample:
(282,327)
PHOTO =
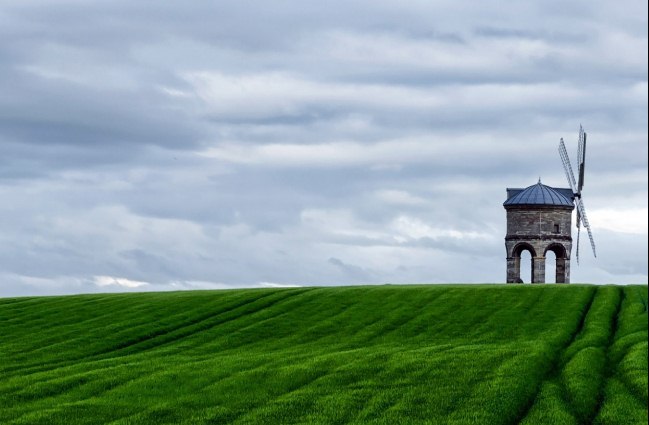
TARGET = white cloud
(118,281)
(281,94)
(623,220)
(273,94)
(197,284)
(430,149)
(485,55)
(277,285)
(412,228)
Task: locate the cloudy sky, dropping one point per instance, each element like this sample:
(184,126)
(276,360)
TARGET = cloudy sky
(185,145)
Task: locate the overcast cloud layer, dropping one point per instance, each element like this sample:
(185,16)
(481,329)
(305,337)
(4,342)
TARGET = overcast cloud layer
(180,145)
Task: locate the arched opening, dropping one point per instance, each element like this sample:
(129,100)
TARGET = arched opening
(522,264)
(526,267)
(550,267)
(556,257)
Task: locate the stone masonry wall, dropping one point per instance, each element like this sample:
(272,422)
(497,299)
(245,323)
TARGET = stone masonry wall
(539,221)
(539,228)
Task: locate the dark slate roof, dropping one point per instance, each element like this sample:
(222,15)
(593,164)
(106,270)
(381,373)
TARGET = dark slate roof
(539,194)
(567,192)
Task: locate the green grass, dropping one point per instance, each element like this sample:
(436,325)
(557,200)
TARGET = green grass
(483,354)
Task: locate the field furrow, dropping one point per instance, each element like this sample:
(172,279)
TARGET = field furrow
(552,397)
(624,395)
(610,363)
(438,354)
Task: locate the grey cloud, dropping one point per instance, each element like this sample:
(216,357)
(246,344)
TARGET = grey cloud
(351,272)
(419,111)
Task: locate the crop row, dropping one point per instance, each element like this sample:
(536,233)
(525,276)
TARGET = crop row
(458,354)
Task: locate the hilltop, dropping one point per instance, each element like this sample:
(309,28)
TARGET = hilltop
(488,354)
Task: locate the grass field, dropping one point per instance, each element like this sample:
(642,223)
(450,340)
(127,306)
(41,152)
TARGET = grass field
(542,354)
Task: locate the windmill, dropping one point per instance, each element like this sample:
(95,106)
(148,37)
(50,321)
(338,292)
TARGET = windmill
(576,186)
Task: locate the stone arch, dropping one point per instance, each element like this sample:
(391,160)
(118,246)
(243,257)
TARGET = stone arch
(562,261)
(514,262)
(558,249)
(523,246)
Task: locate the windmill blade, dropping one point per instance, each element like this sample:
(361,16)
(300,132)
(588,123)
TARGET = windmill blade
(580,144)
(566,166)
(577,252)
(578,218)
(592,241)
(578,230)
(584,220)
(582,160)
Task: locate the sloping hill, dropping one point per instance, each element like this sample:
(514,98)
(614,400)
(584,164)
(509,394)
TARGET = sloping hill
(381,354)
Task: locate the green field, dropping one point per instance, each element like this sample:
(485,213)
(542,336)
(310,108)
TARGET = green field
(484,354)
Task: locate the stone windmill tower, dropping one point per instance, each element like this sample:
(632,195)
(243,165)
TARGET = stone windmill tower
(539,220)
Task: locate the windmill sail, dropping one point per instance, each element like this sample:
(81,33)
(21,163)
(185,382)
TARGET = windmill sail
(566,166)
(581,157)
(584,220)
(577,252)
(576,186)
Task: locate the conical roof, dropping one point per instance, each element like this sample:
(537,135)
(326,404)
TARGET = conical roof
(539,194)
